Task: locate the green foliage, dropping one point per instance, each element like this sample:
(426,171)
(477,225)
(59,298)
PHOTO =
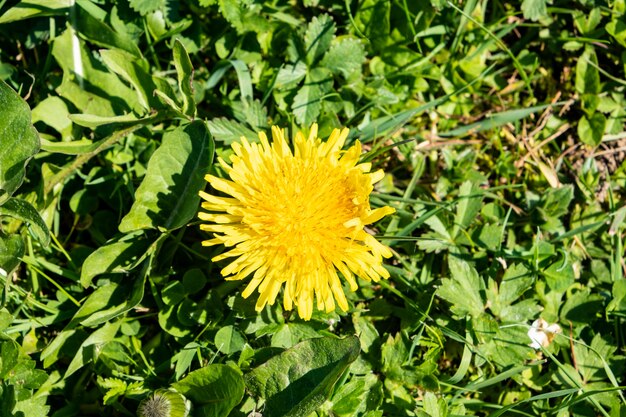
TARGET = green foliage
(500,127)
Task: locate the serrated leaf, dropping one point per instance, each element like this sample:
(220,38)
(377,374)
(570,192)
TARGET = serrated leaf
(118,256)
(229,131)
(534,9)
(297,381)
(20,140)
(318,36)
(307,104)
(559,275)
(345,56)
(289,75)
(23,210)
(168,195)
(143,7)
(463,288)
(184,70)
(215,389)
(516,281)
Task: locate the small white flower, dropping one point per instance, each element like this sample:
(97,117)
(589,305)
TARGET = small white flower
(541,334)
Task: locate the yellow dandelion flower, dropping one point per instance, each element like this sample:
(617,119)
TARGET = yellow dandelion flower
(296,218)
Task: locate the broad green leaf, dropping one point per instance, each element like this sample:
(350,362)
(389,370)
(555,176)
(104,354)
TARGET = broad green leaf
(5,317)
(463,289)
(23,210)
(516,281)
(289,75)
(88,84)
(373,21)
(214,390)
(168,195)
(184,69)
(132,71)
(559,275)
(296,382)
(20,140)
(345,56)
(118,256)
(143,7)
(11,250)
(534,9)
(100,33)
(591,129)
(34,8)
(53,112)
(122,300)
(307,104)
(229,131)
(228,340)
(587,76)
(88,351)
(470,201)
(360,394)
(617,29)
(319,34)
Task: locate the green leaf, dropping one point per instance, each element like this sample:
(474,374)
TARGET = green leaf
(132,71)
(463,289)
(53,112)
(587,76)
(559,275)
(143,7)
(100,33)
(118,256)
(617,29)
(215,389)
(494,121)
(184,69)
(11,250)
(289,75)
(88,350)
(345,56)
(319,34)
(23,210)
(34,8)
(470,201)
(20,141)
(168,195)
(516,281)
(122,299)
(297,381)
(591,129)
(534,9)
(93,121)
(373,21)
(360,394)
(307,104)
(229,131)
(228,340)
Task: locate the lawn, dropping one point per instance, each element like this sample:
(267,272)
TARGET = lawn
(214,208)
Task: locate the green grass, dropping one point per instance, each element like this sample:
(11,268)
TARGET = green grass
(500,125)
